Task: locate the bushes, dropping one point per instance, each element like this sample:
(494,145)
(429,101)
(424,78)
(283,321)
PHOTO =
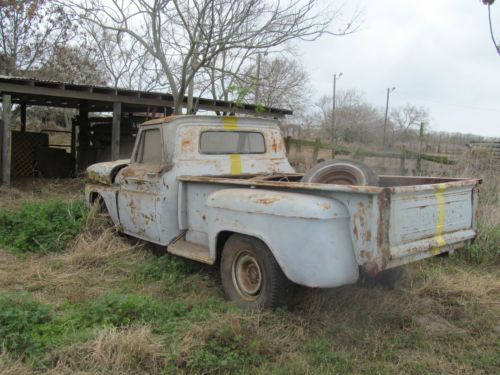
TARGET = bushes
(41,226)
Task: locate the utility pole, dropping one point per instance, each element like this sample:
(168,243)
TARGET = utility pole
(389,90)
(257,83)
(334,143)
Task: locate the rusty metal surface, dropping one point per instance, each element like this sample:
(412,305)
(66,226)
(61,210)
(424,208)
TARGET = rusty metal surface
(191,251)
(319,233)
(105,172)
(282,184)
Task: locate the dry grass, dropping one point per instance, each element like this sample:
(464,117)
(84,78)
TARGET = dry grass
(10,366)
(444,317)
(97,257)
(29,190)
(132,350)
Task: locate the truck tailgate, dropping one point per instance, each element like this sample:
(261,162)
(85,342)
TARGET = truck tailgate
(426,220)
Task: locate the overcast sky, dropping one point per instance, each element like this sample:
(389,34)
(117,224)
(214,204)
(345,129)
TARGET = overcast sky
(437,54)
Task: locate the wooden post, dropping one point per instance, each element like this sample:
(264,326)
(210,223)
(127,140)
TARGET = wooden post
(84,125)
(402,169)
(73,143)
(317,145)
(23,117)
(115,131)
(83,135)
(420,141)
(299,145)
(6,138)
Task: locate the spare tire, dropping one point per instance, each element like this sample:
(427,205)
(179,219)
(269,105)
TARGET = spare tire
(341,172)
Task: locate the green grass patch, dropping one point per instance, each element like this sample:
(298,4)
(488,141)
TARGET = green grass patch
(116,309)
(42,226)
(486,248)
(225,351)
(320,354)
(164,268)
(28,327)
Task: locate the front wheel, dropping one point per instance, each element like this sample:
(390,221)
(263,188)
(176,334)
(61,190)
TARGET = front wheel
(250,275)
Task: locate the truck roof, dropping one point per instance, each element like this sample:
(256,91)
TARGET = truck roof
(226,121)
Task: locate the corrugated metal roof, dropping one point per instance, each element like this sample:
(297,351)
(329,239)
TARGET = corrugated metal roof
(23,89)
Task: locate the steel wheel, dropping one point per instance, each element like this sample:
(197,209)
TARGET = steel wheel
(250,275)
(247,275)
(341,172)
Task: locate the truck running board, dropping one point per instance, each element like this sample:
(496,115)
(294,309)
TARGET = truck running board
(191,250)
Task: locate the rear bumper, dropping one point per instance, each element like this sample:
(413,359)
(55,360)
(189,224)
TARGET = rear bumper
(426,248)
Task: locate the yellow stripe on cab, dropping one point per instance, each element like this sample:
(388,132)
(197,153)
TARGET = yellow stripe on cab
(235,164)
(230,122)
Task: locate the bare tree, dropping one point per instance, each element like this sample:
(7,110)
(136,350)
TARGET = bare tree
(356,119)
(405,117)
(29,31)
(282,82)
(72,64)
(184,37)
(124,59)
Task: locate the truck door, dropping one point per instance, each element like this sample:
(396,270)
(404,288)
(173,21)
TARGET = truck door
(141,187)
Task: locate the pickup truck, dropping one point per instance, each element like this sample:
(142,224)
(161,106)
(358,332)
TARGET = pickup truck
(220,190)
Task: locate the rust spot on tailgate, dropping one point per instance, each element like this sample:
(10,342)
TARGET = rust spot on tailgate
(383,225)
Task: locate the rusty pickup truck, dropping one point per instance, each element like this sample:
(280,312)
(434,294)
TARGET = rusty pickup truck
(221,190)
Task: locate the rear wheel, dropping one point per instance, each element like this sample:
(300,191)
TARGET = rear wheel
(250,275)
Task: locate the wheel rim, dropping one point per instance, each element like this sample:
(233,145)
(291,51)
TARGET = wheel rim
(340,174)
(247,276)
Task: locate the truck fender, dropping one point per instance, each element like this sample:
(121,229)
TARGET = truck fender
(308,235)
(108,194)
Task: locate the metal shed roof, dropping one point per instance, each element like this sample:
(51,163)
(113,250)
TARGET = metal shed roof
(101,98)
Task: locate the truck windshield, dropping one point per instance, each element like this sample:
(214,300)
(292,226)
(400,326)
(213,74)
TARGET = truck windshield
(232,142)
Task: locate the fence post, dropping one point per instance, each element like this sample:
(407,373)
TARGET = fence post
(317,145)
(299,145)
(420,141)
(402,169)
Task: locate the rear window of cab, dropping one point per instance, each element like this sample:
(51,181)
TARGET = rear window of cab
(215,142)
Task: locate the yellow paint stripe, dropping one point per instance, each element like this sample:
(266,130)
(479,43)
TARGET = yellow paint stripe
(230,122)
(438,236)
(235,164)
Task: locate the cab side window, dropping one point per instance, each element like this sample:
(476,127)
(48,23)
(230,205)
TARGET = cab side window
(149,149)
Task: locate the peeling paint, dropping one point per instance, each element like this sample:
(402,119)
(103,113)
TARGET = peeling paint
(375,227)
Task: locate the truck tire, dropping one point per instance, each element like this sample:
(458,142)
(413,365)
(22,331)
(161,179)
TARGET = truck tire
(341,172)
(250,275)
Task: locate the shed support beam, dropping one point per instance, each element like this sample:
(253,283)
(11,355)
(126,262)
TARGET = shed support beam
(115,131)
(23,117)
(6,138)
(73,144)
(84,126)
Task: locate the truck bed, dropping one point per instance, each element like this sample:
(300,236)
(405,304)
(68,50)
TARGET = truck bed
(402,220)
